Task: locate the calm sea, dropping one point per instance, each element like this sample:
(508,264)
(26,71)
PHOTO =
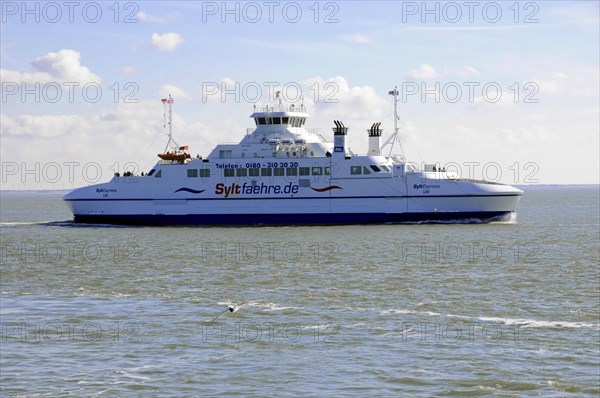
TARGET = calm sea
(505,310)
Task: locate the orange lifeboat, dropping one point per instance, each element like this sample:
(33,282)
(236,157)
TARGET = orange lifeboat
(175,156)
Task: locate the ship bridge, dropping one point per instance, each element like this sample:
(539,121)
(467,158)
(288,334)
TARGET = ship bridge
(279,116)
(279,132)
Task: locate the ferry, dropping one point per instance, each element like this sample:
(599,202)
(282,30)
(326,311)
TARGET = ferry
(283,173)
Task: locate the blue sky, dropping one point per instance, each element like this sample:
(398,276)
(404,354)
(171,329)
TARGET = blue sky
(544,57)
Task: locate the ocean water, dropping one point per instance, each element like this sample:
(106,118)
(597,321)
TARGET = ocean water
(502,310)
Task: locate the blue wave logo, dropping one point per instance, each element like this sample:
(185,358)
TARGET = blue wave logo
(189,190)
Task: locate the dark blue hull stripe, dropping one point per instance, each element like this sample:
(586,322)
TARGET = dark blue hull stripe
(299,197)
(286,219)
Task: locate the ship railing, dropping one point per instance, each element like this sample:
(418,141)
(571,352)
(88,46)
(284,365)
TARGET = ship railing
(310,130)
(280,108)
(318,134)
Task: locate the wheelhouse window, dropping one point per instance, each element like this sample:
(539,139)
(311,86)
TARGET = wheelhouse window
(260,120)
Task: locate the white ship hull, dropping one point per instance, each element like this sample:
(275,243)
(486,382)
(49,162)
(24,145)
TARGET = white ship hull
(406,197)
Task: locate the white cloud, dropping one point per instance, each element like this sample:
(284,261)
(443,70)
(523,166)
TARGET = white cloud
(468,71)
(494,100)
(358,107)
(424,72)
(553,84)
(228,81)
(169,89)
(14,76)
(128,70)
(358,38)
(559,75)
(131,133)
(166,41)
(218,91)
(66,66)
(62,66)
(547,86)
(42,126)
(147,17)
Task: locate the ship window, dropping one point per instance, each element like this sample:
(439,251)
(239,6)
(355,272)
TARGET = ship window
(285,120)
(366,171)
(291,171)
(225,153)
(375,168)
(328,171)
(192,173)
(159,174)
(204,173)
(265,172)
(229,172)
(276,120)
(302,121)
(304,171)
(384,167)
(253,172)
(317,171)
(241,172)
(278,171)
(151,172)
(260,120)
(355,169)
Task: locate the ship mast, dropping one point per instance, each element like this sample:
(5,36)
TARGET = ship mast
(171,143)
(395,136)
